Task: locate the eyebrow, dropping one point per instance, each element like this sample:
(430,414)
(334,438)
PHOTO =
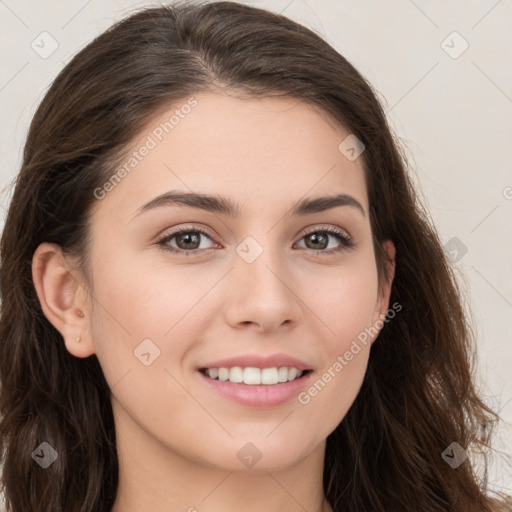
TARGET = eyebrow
(223,205)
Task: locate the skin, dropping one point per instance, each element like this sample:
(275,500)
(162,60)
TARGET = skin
(177,439)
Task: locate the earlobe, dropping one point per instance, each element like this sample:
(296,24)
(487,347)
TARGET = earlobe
(62,298)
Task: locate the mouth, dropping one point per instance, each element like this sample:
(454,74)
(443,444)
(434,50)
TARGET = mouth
(257,380)
(253,376)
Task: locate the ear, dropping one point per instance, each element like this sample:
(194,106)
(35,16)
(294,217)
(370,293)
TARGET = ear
(63,299)
(382,303)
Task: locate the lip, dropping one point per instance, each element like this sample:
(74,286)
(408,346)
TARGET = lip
(258,396)
(259,361)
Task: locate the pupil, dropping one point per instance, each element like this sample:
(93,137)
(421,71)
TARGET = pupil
(187,237)
(315,237)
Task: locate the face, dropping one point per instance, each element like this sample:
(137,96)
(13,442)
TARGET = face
(237,294)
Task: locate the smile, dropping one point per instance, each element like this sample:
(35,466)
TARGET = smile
(254,376)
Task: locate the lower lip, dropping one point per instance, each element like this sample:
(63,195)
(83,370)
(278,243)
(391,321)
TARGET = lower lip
(258,395)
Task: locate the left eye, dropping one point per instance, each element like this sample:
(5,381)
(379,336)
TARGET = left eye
(321,237)
(188,241)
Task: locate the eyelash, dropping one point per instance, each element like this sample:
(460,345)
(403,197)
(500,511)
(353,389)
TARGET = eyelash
(346,241)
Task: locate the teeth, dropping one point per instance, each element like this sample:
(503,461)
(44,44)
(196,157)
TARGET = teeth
(223,373)
(269,376)
(292,373)
(254,376)
(282,375)
(236,375)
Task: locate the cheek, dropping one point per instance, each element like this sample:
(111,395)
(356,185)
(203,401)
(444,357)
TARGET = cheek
(345,301)
(336,384)
(145,298)
(139,298)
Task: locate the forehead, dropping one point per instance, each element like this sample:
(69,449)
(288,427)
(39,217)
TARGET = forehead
(275,150)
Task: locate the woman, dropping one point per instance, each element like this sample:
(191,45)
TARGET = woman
(219,290)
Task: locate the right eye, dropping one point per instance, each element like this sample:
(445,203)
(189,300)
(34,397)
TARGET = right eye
(184,237)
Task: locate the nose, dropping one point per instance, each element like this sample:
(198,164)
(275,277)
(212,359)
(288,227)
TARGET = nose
(260,295)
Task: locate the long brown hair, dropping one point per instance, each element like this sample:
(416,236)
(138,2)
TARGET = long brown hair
(418,395)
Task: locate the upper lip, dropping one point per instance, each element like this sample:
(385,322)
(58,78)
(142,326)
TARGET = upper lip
(259,361)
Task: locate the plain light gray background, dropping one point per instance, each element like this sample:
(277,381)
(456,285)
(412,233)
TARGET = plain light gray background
(443,71)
